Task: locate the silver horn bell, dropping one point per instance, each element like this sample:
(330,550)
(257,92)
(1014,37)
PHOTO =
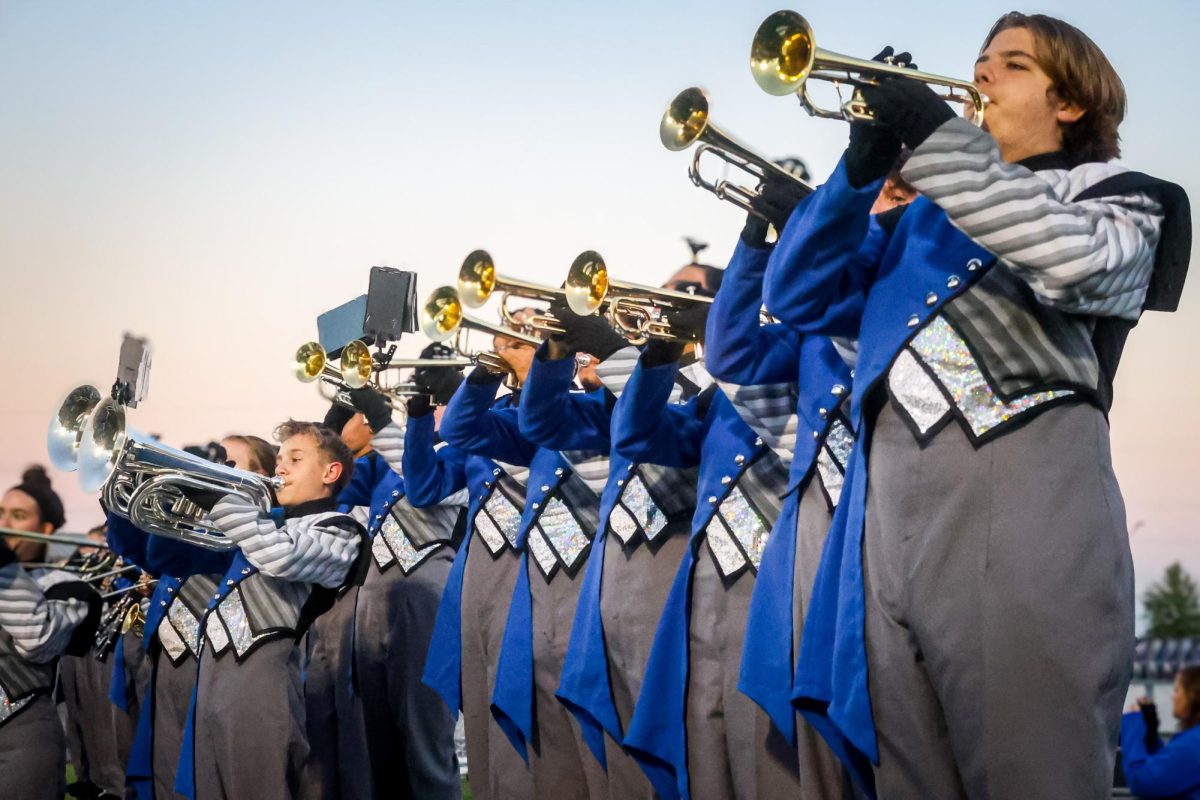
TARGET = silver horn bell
(161,490)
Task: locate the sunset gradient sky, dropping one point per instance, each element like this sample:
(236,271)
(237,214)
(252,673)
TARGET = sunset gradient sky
(213,175)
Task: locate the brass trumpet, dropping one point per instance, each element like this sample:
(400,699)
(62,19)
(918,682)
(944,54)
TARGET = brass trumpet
(354,370)
(442,318)
(686,121)
(784,57)
(635,310)
(478,281)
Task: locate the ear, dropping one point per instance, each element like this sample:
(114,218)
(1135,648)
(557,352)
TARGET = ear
(47,528)
(1068,113)
(333,472)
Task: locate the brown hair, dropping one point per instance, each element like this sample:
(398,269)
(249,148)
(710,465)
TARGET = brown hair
(1189,680)
(262,452)
(329,444)
(1081,74)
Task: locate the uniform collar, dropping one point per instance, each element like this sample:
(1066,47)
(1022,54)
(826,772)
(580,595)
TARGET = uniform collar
(310,507)
(1054,160)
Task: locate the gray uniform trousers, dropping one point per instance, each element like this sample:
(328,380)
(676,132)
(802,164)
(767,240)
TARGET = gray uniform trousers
(172,696)
(633,591)
(93,722)
(495,770)
(822,776)
(249,738)
(33,761)
(409,730)
(337,763)
(562,765)
(999,609)
(733,750)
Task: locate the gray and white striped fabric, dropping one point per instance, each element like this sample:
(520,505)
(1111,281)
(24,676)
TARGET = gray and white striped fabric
(590,467)
(317,548)
(389,443)
(1092,257)
(40,628)
(615,370)
(769,410)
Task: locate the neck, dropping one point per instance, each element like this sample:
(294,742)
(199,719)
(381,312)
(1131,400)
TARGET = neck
(362,451)
(315,506)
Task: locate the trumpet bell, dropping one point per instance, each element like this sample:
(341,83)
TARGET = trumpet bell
(685,119)
(309,362)
(783,53)
(442,314)
(66,426)
(476,279)
(587,283)
(356,365)
(101,443)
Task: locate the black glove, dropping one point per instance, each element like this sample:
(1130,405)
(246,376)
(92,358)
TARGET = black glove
(1150,718)
(658,352)
(689,321)
(439,382)
(873,148)
(419,405)
(337,416)
(481,376)
(591,334)
(909,109)
(777,199)
(373,406)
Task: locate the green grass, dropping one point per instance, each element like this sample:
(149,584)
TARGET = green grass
(466,789)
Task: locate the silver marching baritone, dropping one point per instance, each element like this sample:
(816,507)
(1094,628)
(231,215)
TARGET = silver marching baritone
(637,312)
(686,121)
(161,490)
(784,57)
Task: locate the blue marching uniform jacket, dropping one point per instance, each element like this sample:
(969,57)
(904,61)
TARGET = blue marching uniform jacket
(771,366)
(710,434)
(838,272)
(431,475)
(569,422)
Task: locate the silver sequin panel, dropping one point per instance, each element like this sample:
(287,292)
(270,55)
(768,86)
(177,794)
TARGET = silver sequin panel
(487,530)
(539,548)
(728,555)
(380,552)
(216,634)
(170,641)
(832,459)
(945,352)
(916,392)
(746,525)
(8,708)
(562,532)
(641,507)
(233,614)
(397,545)
(185,624)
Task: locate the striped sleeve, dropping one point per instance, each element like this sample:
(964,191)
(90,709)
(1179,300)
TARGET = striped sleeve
(389,443)
(318,548)
(615,370)
(770,411)
(1092,257)
(40,628)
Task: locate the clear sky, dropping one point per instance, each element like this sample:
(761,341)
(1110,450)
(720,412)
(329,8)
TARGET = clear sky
(215,174)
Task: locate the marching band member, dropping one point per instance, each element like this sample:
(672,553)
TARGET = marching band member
(40,619)
(246,735)
(990,315)
(32,505)
(465,649)
(781,382)
(412,550)
(690,717)
(172,629)
(646,508)
(560,521)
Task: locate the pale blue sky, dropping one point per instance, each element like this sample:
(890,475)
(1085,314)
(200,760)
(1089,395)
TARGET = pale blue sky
(215,174)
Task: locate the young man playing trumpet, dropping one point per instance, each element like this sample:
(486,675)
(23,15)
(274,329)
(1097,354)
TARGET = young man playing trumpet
(972,623)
